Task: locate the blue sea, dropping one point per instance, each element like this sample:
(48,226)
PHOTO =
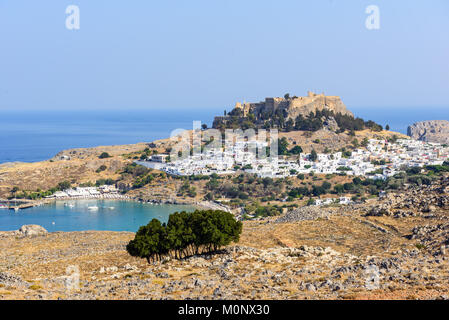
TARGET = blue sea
(110,216)
(39,135)
(399,118)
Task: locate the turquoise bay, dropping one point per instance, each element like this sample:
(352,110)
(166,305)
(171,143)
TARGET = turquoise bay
(81,215)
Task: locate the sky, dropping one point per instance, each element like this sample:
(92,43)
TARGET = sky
(175,54)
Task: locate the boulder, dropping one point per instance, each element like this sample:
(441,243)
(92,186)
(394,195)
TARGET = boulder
(31,230)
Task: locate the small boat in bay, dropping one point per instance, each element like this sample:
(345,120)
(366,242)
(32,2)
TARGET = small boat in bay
(93,208)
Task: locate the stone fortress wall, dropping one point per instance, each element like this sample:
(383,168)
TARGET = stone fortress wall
(294,106)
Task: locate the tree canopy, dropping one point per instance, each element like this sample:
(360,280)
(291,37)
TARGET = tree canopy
(104,155)
(185,234)
(280,119)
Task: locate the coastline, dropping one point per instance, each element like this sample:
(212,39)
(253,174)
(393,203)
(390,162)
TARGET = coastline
(53,206)
(205,205)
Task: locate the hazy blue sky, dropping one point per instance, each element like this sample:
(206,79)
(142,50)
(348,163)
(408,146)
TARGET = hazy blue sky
(210,54)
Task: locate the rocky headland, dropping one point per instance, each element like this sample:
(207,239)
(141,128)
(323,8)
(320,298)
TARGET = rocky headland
(430,131)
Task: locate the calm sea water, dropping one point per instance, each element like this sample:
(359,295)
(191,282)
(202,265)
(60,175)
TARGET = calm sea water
(111,215)
(399,118)
(35,136)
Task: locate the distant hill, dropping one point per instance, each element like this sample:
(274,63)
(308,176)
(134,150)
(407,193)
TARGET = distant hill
(310,113)
(430,131)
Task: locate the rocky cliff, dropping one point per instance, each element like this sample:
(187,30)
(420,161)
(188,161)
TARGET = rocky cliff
(313,102)
(430,131)
(287,107)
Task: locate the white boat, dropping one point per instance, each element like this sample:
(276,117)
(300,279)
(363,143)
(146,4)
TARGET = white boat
(111,208)
(94,208)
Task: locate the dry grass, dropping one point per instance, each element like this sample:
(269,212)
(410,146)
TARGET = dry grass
(342,233)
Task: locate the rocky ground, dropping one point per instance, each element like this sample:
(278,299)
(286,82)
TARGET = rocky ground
(349,252)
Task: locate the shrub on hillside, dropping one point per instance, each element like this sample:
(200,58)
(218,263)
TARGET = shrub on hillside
(101,168)
(104,155)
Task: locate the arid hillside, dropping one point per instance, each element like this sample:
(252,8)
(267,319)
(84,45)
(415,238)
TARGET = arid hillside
(80,168)
(392,248)
(74,165)
(325,139)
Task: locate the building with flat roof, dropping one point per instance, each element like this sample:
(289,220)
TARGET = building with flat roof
(162,158)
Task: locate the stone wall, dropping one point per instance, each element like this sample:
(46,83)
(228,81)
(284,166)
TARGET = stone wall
(294,106)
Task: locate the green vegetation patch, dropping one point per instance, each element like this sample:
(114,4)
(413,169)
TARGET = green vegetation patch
(185,234)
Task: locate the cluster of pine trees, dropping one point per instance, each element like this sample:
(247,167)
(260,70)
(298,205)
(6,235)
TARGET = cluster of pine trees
(185,234)
(278,118)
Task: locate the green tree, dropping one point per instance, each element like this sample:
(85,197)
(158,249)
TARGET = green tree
(296,150)
(289,125)
(101,168)
(148,241)
(339,189)
(326,185)
(313,156)
(365,142)
(185,234)
(283,146)
(311,202)
(104,155)
(14,191)
(64,185)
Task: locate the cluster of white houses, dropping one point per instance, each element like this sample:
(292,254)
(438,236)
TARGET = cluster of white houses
(105,191)
(327,201)
(379,160)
